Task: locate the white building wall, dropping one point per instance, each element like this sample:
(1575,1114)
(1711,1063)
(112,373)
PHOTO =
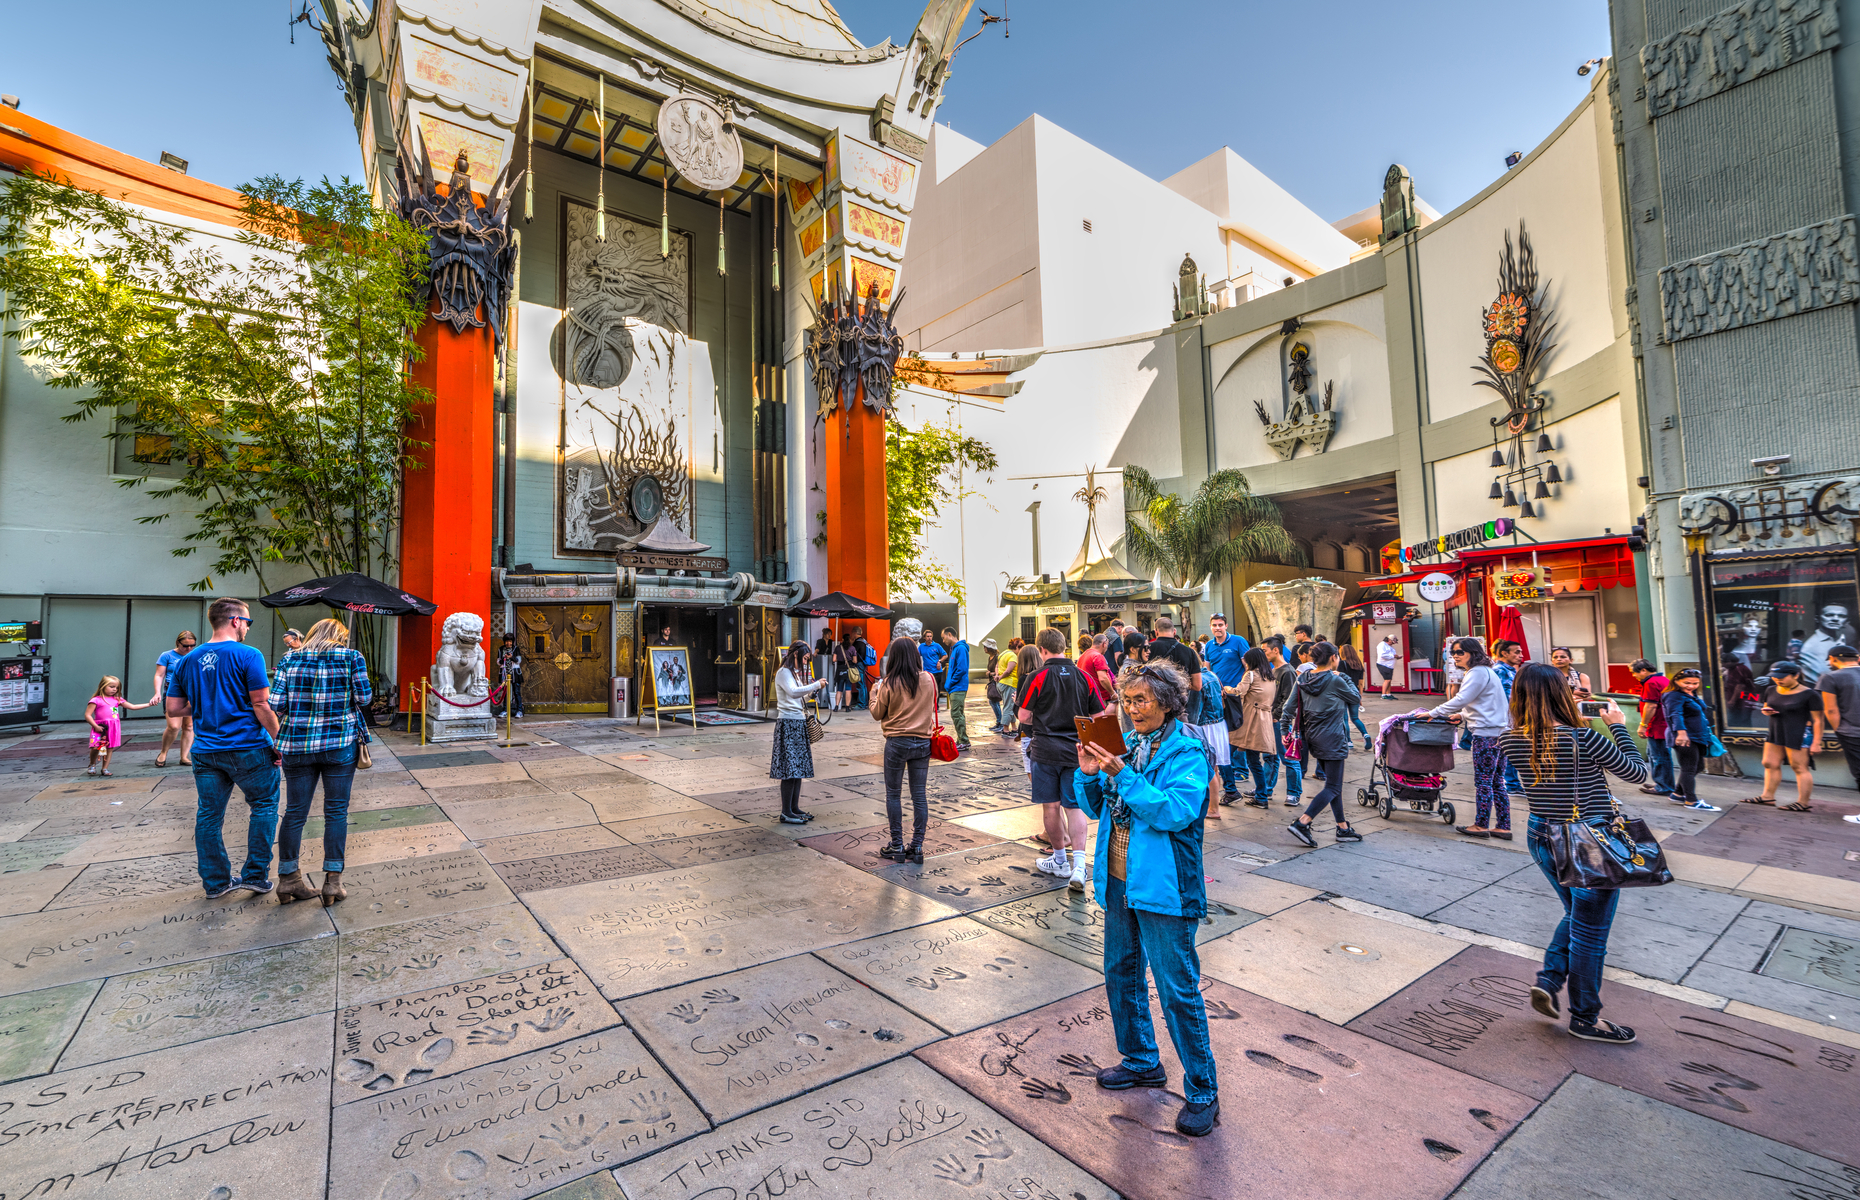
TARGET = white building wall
(1100,406)
(1348,347)
(1592,497)
(1116,279)
(1557,193)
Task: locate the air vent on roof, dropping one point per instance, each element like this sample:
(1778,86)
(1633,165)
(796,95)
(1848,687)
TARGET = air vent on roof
(1087,225)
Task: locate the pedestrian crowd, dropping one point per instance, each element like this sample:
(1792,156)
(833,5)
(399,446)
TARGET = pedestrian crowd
(1194,719)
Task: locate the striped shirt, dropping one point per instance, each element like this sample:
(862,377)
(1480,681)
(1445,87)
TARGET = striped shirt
(1567,785)
(316,695)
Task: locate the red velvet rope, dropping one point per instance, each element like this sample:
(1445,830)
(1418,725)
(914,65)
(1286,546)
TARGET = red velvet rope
(495,693)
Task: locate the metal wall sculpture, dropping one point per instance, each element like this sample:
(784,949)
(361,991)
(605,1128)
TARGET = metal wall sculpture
(1190,291)
(1775,516)
(1518,325)
(1399,214)
(854,346)
(469,251)
(1304,422)
(1817,266)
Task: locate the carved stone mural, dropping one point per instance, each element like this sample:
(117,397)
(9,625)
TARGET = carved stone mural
(638,396)
(1817,266)
(1742,43)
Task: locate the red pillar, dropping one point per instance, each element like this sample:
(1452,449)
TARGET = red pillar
(858,553)
(448,499)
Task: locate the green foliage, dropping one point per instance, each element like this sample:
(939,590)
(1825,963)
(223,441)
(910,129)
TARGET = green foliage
(277,376)
(1223,525)
(923,471)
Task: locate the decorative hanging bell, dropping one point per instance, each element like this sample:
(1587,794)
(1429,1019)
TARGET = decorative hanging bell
(1553,475)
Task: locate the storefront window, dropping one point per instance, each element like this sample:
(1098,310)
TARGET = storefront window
(1768,609)
(1621,628)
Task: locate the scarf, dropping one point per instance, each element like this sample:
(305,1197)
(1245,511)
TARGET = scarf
(1143,750)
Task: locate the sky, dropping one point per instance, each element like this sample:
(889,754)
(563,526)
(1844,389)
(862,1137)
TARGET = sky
(1322,97)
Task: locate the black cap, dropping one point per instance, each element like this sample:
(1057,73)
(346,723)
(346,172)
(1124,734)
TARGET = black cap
(1843,651)
(1785,667)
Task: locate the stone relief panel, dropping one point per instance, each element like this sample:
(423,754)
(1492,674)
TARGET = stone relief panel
(1817,266)
(1742,43)
(637,392)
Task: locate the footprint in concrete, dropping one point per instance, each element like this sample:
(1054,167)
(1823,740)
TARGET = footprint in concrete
(1131,1127)
(1260,1058)
(1318,1048)
(887,1035)
(998,964)
(465,1166)
(836,1023)
(808,1039)
(402,1186)
(354,1070)
(436,1052)
(1441,1150)
(1487,1119)
(221,1192)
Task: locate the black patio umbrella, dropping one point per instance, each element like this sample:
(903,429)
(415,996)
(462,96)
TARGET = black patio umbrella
(839,604)
(354,592)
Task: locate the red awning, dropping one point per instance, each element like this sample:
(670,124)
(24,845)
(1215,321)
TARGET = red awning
(1528,548)
(1584,565)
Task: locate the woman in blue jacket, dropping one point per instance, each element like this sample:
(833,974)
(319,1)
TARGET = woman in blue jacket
(1688,733)
(1148,805)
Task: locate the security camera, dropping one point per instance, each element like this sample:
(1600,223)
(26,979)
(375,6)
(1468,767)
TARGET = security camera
(1772,465)
(1585,68)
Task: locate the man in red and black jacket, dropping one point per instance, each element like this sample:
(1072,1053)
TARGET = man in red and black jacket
(1049,701)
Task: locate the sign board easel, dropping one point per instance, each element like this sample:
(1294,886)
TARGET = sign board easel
(666,684)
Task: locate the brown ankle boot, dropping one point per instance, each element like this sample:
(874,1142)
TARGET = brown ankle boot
(294,887)
(332,888)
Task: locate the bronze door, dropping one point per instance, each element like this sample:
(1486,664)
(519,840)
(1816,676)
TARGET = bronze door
(565,650)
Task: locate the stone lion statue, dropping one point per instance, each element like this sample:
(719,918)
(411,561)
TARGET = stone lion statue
(458,670)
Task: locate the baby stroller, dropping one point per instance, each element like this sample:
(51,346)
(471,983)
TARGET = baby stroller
(1414,756)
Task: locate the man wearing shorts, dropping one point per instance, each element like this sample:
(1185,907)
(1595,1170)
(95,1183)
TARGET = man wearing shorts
(1387,655)
(1049,702)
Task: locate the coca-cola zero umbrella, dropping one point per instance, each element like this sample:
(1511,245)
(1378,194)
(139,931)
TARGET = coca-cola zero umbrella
(352,591)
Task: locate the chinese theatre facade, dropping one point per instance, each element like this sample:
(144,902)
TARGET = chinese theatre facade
(665,251)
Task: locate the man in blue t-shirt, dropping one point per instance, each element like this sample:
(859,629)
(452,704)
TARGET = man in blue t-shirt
(957,684)
(224,687)
(1223,653)
(932,652)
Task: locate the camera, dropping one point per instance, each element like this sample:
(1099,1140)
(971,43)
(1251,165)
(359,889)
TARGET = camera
(1592,708)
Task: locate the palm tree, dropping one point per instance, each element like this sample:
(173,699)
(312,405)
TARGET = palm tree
(1223,525)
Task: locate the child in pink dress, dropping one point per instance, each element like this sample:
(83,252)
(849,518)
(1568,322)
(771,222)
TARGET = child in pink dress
(106,723)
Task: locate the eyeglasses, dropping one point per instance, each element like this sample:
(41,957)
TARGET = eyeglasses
(1460,653)
(1136,700)
(247,620)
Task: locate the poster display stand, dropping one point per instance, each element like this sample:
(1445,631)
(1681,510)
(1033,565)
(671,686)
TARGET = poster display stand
(665,686)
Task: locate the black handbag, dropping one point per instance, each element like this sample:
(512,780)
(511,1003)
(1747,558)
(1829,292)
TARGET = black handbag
(1233,711)
(1619,853)
(1431,733)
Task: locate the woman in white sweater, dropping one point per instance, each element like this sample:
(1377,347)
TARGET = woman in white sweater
(792,759)
(1480,704)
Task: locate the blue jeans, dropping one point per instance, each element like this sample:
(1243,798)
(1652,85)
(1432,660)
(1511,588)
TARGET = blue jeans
(907,756)
(1265,768)
(1660,758)
(1133,938)
(1294,768)
(337,769)
(1581,942)
(215,774)
(1356,718)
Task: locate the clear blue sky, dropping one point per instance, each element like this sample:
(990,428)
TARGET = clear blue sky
(1322,97)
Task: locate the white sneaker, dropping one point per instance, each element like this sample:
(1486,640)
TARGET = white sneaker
(1853,820)
(1054,863)
(1081,873)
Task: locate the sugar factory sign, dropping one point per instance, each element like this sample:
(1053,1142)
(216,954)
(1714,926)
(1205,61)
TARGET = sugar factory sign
(1461,539)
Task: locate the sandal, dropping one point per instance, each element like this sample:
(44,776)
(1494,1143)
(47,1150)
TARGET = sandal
(1470,832)
(1755,800)
(1798,806)
(161,760)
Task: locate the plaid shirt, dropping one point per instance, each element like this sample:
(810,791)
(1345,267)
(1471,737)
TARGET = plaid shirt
(315,695)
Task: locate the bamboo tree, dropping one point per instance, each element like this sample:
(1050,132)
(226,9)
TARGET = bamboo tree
(275,376)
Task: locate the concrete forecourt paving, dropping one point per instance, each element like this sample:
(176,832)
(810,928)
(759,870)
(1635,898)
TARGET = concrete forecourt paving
(592,964)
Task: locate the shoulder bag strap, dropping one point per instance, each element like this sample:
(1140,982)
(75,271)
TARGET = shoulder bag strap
(1575,758)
